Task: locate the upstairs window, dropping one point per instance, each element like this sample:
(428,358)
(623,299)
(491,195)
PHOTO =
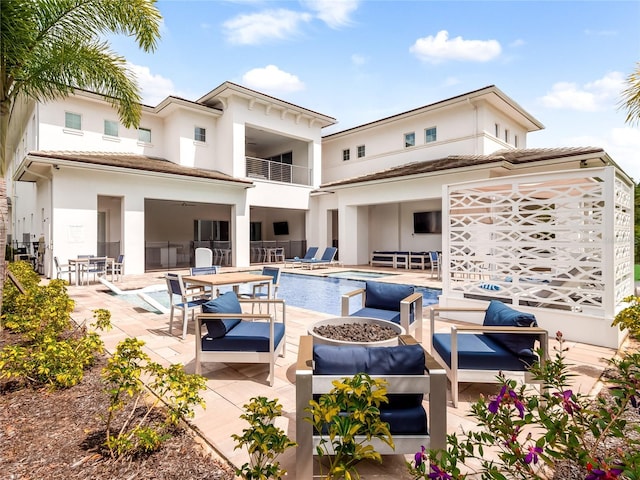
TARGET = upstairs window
(430,135)
(361,151)
(515,141)
(410,139)
(497,134)
(144,135)
(111,128)
(200,134)
(73,120)
(346,154)
(506,135)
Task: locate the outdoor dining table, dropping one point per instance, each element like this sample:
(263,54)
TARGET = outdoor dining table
(234,279)
(79,262)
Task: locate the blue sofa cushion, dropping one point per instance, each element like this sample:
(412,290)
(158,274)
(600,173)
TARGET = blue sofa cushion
(386,296)
(245,337)
(479,352)
(225,303)
(501,315)
(349,360)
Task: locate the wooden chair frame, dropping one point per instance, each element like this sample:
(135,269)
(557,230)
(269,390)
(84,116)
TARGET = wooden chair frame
(269,357)
(457,375)
(433,383)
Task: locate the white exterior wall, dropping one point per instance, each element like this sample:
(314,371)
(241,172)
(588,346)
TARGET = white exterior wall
(54,136)
(75,214)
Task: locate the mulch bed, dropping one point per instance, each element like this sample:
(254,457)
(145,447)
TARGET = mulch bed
(57,435)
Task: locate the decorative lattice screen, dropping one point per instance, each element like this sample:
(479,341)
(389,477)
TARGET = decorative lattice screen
(559,241)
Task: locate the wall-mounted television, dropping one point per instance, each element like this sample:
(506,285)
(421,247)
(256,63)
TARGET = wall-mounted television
(281,228)
(427,222)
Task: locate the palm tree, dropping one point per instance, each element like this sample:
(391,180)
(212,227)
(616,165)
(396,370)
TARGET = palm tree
(631,96)
(49,48)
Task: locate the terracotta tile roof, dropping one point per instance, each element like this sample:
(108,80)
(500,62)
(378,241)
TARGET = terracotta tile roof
(135,162)
(452,162)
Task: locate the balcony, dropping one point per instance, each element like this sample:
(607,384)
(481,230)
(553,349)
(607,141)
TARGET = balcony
(277,172)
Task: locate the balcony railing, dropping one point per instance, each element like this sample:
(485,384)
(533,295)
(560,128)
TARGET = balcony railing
(277,172)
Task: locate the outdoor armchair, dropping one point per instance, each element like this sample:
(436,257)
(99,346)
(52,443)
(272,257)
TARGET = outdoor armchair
(224,333)
(388,301)
(412,375)
(504,343)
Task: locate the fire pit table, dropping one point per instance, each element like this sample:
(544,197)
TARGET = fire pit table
(369,332)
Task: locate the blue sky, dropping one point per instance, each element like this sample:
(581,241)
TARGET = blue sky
(358,61)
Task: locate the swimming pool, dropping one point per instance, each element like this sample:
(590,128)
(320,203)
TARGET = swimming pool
(357,274)
(317,293)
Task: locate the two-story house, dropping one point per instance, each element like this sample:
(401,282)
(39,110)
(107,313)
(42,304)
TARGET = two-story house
(548,228)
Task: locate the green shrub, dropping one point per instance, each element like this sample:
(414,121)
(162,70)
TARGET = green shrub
(52,350)
(629,317)
(350,416)
(263,440)
(123,378)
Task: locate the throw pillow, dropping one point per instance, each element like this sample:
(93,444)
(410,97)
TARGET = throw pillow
(501,315)
(225,303)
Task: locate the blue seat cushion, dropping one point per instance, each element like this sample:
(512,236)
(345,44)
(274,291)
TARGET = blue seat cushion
(477,351)
(389,315)
(501,315)
(225,303)
(245,337)
(386,296)
(397,360)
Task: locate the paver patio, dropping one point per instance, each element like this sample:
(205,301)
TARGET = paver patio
(230,386)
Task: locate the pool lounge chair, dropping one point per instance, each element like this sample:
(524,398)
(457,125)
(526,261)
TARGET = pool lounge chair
(326,260)
(311,253)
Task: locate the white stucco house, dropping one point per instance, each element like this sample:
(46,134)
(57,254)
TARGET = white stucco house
(550,229)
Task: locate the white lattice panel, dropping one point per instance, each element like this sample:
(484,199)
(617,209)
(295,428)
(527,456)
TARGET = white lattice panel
(541,241)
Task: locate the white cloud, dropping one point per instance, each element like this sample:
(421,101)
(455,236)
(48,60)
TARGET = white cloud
(451,81)
(517,43)
(335,13)
(438,48)
(358,60)
(153,88)
(255,28)
(591,97)
(272,79)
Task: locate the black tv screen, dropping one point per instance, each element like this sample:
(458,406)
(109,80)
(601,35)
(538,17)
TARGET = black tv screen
(280,228)
(427,222)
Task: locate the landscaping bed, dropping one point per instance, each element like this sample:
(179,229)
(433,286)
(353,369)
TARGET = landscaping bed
(57,435)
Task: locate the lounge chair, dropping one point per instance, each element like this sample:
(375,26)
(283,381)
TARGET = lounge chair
(311,253)
(327,259)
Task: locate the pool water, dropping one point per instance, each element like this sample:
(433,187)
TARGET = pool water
(317,293)
(356,274)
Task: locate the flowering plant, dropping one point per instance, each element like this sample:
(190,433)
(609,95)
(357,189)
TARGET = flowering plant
(530,433)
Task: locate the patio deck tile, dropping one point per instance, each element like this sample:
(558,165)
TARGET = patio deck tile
(230,386)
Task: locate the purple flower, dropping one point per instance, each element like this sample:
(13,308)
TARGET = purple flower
(603,473)
(438,474)
(420,457)
(532,456)
(508,396)
(567,403)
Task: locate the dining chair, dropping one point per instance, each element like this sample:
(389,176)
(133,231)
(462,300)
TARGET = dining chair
(96,266)
(62,269)
(261,290)
(183,300)
(116,268)
(204,257)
